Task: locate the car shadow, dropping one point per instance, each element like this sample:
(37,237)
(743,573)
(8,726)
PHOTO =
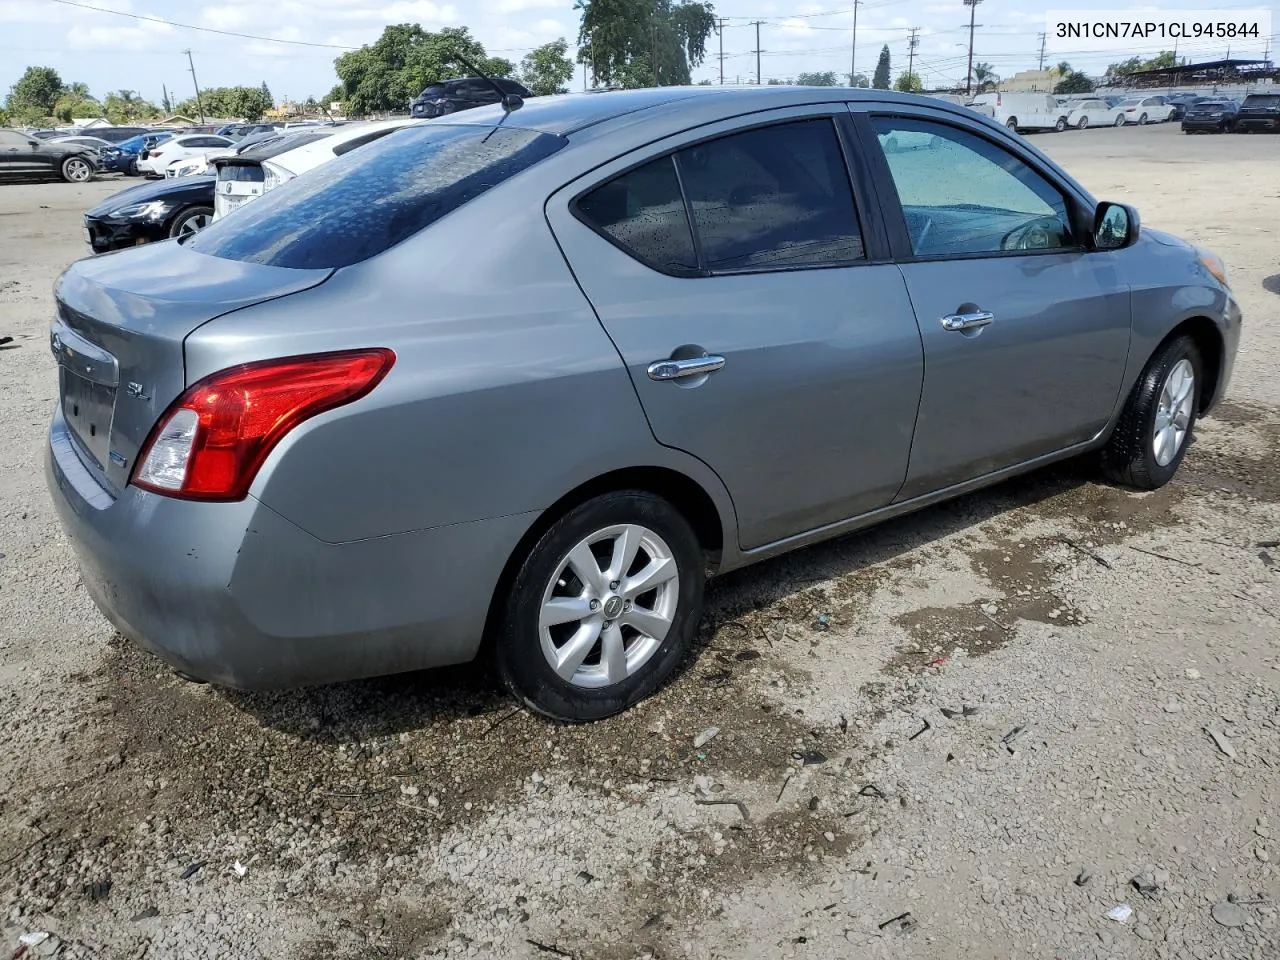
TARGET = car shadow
(388,706)
(1271,284)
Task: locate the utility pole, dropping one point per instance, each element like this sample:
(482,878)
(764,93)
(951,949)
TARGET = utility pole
(757,23)
(165,91)
(196,83)
(911,50)
(653,52)
(720,33)
(968,77)
(853,49)
(1042,42)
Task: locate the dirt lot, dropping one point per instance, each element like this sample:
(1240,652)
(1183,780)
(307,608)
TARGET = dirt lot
(961,735)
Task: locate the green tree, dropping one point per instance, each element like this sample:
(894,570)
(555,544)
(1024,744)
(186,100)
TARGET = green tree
(231,103)
(125,106)
(1074,82)
(75,102)
(36,92)
(881,78)
(984,76)
(547,69)
(266,96)
(775,82)
(825,79)
(642,43)
(908,82)
(1063,68)
(403,61)
(857,79)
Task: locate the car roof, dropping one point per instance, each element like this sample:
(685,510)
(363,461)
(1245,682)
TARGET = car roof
(569,113)
(313,154)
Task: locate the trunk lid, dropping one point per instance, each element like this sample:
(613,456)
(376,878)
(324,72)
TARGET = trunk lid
(118,335)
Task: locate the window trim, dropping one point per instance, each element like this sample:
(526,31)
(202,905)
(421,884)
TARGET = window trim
(891,204)
(862,202)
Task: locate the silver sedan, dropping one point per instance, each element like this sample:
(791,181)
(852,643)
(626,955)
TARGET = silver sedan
(523,379)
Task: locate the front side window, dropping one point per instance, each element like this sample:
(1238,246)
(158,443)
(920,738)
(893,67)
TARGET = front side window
(360,204)
(962,194)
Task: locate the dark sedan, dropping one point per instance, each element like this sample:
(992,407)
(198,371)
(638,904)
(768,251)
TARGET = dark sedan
(26,158)
(1210,116)
(452,96)
(149,212)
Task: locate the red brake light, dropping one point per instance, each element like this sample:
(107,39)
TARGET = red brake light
(211,442)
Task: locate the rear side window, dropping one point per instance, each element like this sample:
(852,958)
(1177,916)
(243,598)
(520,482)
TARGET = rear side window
(771,198)
(1262,100)
(643,213)
(359,205)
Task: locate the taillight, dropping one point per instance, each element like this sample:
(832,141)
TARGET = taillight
(211,442)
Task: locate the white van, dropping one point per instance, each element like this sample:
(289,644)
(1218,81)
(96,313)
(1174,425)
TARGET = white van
(1025,111)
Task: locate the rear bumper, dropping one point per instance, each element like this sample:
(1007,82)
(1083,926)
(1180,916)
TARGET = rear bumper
(1220,123)
(1258,123)
(235,594)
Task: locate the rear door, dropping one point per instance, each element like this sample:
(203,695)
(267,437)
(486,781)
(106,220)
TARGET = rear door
(1025,331)
(746,283)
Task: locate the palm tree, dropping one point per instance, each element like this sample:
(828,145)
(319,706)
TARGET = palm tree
(984,75)
(1063,68)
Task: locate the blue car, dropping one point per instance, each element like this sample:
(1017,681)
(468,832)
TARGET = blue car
(123,157)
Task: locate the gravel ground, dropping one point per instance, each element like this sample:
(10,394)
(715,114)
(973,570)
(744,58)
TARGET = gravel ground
(970,733)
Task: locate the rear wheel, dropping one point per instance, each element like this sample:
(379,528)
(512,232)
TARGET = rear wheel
(191,221)
(1060,125)
(1155,428)
(603,609)
(77,170)
(1012,124)
(1082,123)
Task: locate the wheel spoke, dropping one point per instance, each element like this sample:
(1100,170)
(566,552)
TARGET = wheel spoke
(647,622)
(1182,419)
(583,562)
(1185,385)
(625,548)
(570,656)
(565,610)
(655,572)
(613,653)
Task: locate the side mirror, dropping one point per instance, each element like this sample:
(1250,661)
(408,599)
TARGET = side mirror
(1115,226)
(34,144)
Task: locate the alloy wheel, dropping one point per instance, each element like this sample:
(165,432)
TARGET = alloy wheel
(609,606)
(77,171)
(194,224)
(1173,412)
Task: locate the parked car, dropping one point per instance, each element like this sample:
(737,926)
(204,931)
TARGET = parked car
(465,93)
(96,144)
(1141,110)
(123,157)
(238,131)
(119,134)
(148,212)
(1094,113)
(154,160)
(1259,111)
(247,176)
(1025,111)
(279,461)
(27,158)
(1180,102)
(1210,116)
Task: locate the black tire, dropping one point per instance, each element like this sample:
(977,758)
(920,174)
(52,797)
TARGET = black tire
(1060,125)
(1082,123)
(1129,456)
(518,652)
(1012,124)
(191,220)
(76,169)
(1120,120)
(1142,120)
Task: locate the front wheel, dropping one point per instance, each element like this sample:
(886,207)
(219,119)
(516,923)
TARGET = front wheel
(1156,425)
(77,170)
(191,221)
(1120,120)
(603,609)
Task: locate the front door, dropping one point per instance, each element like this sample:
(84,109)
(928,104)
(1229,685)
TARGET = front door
(1025,331)
(771,338)
(17,155)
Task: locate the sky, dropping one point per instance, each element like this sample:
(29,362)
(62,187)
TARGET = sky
(110,51)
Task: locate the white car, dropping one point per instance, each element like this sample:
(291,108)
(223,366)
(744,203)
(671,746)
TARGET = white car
(1145,110)
(1094,113)
(182,147)
(246,177)
(196,166)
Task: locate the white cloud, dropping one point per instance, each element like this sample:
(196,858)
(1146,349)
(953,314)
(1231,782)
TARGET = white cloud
(145,36)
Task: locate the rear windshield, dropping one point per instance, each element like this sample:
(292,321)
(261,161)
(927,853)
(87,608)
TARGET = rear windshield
(1262,100)
(360,204)
(433,92)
